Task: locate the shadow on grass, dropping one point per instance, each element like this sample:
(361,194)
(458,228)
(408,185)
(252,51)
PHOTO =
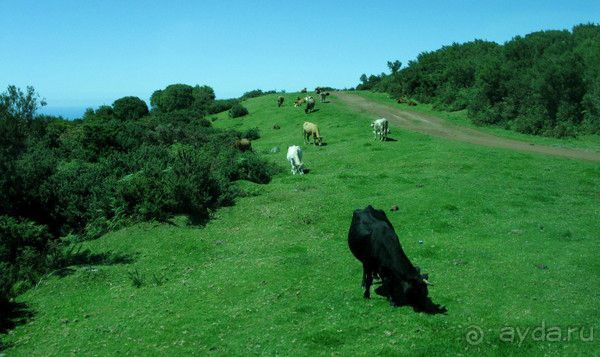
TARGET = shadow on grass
(13,314)
(77,257)
(426,305)
(390,139)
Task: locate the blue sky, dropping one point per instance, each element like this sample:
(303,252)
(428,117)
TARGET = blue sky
(87,53)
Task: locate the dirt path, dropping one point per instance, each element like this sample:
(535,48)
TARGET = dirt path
(437,127)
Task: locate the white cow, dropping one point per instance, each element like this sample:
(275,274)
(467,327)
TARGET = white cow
(294,156)
(380,129)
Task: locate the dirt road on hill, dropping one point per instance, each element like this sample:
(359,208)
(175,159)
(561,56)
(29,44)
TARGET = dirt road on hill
(438,127)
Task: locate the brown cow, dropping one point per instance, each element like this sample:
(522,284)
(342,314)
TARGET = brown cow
(280,100)
(243,145)
(311,129)
(299,101)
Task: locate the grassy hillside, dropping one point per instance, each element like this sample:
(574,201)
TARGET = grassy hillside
(509,240)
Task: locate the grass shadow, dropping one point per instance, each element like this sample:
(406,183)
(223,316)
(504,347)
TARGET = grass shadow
(312,111)
(390,139)
(77,257)
(13,314)
(426,305)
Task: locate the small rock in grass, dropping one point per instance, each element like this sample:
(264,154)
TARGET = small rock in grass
(541,266)
(276,127)
(421,242)
(274,150)
(394,208)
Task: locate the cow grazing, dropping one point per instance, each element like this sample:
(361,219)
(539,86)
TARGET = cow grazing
(311,129)
(324,96)
(243,145)
(294,156)
(374,242)
(299,101)
(401,100)
(280,100)
(310,104)
(380,129)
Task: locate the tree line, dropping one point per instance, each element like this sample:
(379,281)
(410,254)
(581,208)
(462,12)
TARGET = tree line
(64,181)
(545,83)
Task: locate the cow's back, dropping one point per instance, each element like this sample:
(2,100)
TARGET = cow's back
(373,238)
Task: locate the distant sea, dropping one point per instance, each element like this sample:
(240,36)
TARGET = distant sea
(65,112)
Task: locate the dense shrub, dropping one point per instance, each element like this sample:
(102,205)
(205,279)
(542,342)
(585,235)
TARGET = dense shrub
(545,83)
(23,243)
(83,178)
(184,97)
(256,93)
(173,97)
(221,105)
(129,108)
(237,110)
(251,134)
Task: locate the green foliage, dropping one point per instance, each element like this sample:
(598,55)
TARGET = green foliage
(256,93)
(237,110)
(199,99)
(116,166)
(22,244)
(16,103)
(129,108)
(545,83)
(221,105)
(251,134)
(173,97)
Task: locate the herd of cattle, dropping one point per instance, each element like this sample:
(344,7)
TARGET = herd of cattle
(371,238)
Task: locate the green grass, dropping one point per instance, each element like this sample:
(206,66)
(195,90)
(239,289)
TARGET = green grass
(588,142)
(273,274)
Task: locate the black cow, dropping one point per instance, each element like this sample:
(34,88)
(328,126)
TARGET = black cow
(374,242)
(310,104)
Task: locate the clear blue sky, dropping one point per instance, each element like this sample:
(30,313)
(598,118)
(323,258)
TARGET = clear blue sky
(87,53)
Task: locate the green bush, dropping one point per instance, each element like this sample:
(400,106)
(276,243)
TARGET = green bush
(256,93)
(237,111)
(251,134)
(83,178)
(221,105)
(544,83)
(129,108)
(23,248)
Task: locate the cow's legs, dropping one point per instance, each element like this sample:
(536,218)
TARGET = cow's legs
(367,281)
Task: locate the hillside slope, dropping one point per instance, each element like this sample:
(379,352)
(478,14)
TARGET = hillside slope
(509,240)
